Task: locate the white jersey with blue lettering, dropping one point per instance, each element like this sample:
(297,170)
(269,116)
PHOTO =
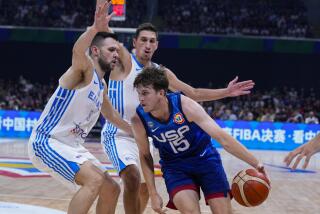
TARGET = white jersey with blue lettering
(119,146)
(70,114)
(55,145)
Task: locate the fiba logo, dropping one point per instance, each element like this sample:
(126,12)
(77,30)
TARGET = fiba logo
(178,118)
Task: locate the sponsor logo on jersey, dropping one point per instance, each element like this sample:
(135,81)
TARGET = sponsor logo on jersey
(178,118)
(155,129)
(130,157)
(78,131)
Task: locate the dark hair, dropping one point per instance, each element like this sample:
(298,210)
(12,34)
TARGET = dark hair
(152,76)
(99,37)
(146,26)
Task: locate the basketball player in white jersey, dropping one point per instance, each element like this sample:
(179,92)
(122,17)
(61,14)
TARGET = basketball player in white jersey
(119,146)
(55,145)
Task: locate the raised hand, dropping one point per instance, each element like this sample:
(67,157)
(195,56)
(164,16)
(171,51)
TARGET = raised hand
(239,88)
(101,18)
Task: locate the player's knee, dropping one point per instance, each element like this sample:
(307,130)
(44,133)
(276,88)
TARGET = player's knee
(110,188)
(131,178)
(95,183)
(191,210)
(224,207)
(113,187)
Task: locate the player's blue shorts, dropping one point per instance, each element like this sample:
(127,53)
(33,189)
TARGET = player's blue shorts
(194,173)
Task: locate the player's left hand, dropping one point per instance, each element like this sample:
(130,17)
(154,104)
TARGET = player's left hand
(101,18)
(239,88)
(303,151)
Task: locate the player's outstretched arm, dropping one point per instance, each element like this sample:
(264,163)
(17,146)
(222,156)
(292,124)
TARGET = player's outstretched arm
(304,151)
(234,89)
(146,160)
(81,62)
(101,20)
(124,67)
(194,112)
(113,116)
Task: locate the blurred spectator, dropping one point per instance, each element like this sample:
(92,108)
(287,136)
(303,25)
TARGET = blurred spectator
(228,17)
(236,17)
(24,95)
(311,118)
(268,116)
(276,105)
(60,13)
(296,117)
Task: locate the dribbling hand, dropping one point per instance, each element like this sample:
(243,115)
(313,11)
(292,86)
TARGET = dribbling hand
(157,204)
(261,169)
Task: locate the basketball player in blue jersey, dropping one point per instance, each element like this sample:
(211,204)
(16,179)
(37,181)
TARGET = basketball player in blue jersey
(121,147)
(182,131)
(55,145)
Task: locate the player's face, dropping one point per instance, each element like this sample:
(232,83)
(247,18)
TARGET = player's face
(145,45)
(108,56)
(149,98)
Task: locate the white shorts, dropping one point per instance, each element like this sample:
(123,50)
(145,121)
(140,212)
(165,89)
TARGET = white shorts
(122,152)
(59,160)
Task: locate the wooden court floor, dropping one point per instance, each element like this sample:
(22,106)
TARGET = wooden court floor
(292,192)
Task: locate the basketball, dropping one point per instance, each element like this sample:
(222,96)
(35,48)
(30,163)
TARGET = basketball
(250,187)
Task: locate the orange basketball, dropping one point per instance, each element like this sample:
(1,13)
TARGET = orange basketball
(250,187)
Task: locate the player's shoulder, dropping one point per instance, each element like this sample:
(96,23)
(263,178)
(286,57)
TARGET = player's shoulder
(136,121)
(189,106)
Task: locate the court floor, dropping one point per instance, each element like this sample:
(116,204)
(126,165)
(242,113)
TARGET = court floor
(292,192)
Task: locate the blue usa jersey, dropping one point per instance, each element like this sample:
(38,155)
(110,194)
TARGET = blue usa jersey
(176,138)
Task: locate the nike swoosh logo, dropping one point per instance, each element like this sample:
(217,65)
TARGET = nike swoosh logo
(201,155)
(153,130)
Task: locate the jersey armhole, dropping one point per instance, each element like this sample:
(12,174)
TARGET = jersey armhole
(143,121)
(180,106)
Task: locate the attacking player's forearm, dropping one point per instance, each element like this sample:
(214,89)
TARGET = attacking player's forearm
(232,146)
(148,172)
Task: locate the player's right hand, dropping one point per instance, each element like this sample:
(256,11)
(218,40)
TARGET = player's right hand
(157,203)
(262,170)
